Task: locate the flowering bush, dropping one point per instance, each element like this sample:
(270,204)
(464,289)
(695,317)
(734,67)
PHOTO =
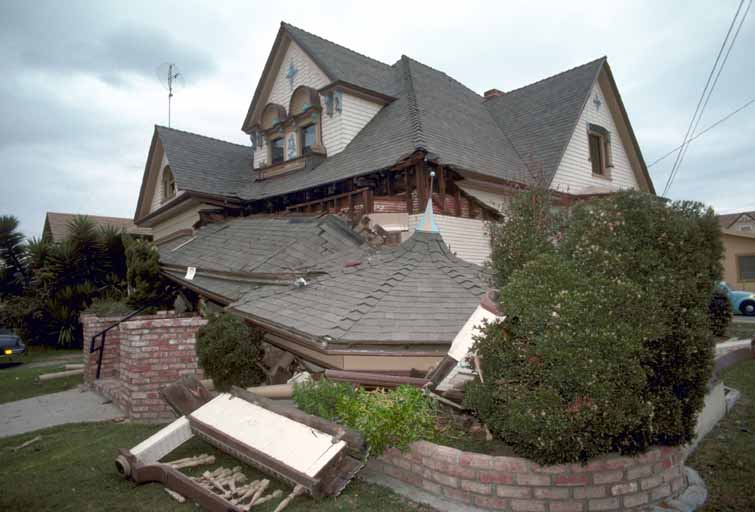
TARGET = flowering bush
(605,344)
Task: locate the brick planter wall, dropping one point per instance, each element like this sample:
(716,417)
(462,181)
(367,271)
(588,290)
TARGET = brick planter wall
(516,484)
(141,356)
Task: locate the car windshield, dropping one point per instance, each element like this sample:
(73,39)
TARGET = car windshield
(9,341)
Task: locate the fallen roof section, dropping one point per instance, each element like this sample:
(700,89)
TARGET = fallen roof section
(415,294)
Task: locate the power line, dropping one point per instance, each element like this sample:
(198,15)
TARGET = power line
(702,99)
(704,131)
(715,81)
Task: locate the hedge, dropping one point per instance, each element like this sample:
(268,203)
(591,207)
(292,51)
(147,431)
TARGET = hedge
(605,346)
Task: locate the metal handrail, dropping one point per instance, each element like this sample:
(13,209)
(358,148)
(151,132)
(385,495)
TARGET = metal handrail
(103,333)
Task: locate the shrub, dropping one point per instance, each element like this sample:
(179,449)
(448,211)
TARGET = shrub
(719,313)
(146,285)
(109,307)
(605,346)
(228,351)
(321,397)
(529,228)
(562,385)
(394,418)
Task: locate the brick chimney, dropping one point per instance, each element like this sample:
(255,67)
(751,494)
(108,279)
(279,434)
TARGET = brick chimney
(492,93)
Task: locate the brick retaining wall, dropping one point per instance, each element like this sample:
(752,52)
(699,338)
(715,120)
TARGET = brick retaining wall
(141,356)
(516,484)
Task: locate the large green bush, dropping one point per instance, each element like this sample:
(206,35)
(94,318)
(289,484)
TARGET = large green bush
(606,341)
(720,313)
(394,418)
(228,351)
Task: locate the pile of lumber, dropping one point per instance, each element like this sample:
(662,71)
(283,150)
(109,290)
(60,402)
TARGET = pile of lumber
(232,485)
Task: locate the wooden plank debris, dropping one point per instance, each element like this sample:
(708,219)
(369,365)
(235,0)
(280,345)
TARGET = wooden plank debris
(60,375)
(25,444)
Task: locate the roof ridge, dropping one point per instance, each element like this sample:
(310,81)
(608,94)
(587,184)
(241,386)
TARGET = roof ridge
(414,114)
(444,74)
(574,68)
(289,25)
(90,215)
(200,135)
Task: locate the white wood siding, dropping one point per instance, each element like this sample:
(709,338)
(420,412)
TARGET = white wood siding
(157,195)
(337,130)
(574,174)
(467,238)
(307,74)
(183,220)
(357,112)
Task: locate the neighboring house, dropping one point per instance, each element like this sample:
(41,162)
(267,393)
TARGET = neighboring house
(738,237)
(332,130)
(56,225)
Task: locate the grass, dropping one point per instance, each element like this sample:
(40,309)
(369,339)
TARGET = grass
(726,457)
(18,381)
(71,469)
(740,330)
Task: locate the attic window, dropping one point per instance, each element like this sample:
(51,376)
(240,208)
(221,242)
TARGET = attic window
(277,150)
(308,138)
(169,184)
(601,157)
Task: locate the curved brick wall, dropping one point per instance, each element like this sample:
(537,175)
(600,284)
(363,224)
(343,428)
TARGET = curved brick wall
(517,484)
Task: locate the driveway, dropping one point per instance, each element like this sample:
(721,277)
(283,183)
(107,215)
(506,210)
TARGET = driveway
(72,406)
(741,319)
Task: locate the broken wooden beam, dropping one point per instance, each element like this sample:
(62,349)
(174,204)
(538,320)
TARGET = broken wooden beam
(375,379)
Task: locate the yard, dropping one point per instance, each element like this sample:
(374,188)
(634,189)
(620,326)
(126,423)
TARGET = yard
(41,475)
(18,381)
(726,457)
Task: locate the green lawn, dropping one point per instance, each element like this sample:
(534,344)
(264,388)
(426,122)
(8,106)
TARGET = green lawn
(18,381)
(71,469)
(740,330)
(726,457)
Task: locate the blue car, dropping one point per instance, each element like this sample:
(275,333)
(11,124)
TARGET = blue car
(742,302)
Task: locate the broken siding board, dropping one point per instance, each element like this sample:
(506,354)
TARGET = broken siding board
(301,447)
(163,442)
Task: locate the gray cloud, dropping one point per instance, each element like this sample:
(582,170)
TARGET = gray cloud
(79,94)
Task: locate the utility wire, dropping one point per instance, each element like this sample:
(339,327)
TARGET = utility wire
(704,131)
(702,98)
(713,86)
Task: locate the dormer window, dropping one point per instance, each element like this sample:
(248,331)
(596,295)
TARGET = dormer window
(599,141)
(169,184)
(277,150)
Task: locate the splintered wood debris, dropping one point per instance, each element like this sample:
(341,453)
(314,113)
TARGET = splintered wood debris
(315,456)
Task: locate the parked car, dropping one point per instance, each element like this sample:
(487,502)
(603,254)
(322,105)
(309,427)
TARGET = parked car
(11,347)
(742,302)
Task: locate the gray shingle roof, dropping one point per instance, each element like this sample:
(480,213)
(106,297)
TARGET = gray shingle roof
(342,64)
(432,111)
(204,164)
(539,119)
(264,245)
(418,292)
(57,224)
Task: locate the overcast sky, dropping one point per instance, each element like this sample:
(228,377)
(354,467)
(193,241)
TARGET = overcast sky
(79,93)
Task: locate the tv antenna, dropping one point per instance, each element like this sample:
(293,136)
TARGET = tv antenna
(171,78)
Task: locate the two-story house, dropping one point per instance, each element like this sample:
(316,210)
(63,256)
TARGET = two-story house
(403,146)
(334,130)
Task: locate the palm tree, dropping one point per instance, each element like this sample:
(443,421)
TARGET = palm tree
(13,274)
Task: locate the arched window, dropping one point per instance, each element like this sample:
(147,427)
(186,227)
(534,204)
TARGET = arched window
(272,115)
(169,184)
